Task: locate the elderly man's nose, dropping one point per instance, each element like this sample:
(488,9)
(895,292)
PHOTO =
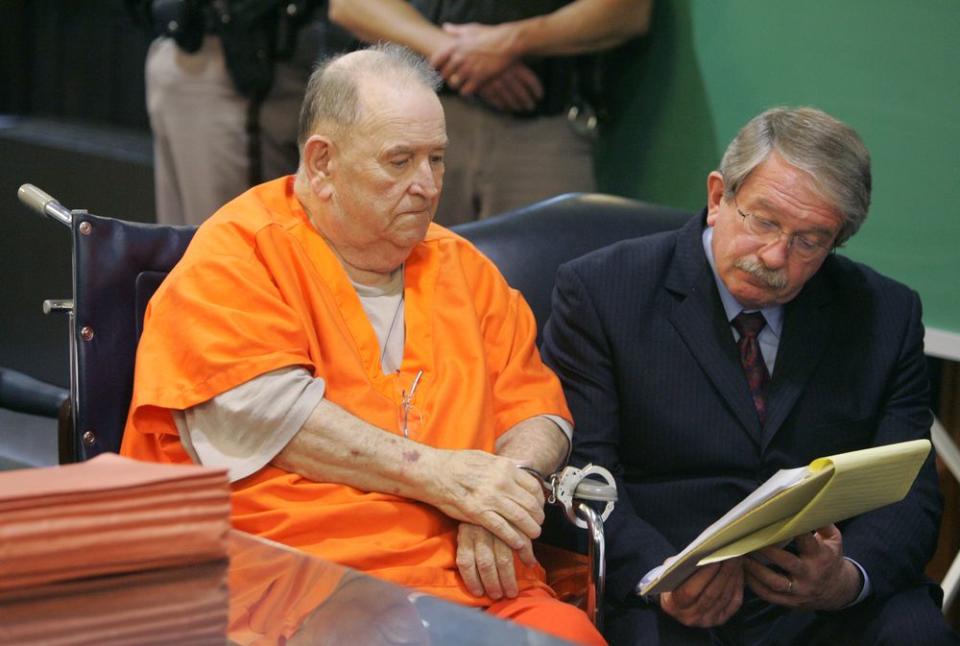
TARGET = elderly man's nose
(774,254)
(426,181)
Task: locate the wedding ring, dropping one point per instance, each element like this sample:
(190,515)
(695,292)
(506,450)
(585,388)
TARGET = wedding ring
(789,589)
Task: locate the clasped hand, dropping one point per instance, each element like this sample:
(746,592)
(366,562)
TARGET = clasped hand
(502,509)
(489,491)
(486,563)
(478,61)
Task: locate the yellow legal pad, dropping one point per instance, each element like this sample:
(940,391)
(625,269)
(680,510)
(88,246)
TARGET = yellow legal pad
(799,500)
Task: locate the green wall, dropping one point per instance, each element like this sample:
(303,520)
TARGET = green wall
(889,69)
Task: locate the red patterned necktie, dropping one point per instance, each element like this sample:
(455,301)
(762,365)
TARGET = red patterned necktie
(751,360)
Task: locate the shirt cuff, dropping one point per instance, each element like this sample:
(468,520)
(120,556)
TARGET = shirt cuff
(865,588)
(244,428)
(566,428)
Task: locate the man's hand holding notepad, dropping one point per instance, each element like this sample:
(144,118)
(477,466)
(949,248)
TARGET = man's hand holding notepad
(798,500)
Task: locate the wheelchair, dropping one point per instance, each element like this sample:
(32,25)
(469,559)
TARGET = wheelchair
(118,265)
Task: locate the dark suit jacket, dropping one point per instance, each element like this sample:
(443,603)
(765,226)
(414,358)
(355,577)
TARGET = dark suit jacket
(651,373)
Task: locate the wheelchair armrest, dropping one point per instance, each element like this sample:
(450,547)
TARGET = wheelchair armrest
(24,394)
(569,488)
(597,556)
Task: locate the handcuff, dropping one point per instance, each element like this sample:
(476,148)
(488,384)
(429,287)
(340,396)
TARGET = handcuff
(570,483)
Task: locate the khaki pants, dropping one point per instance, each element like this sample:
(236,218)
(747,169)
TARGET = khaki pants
(199,129)
(496,162)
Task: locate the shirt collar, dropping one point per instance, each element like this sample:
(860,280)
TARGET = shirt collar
(773,315)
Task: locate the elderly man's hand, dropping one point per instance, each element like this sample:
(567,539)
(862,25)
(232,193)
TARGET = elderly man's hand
(490,491)
(517,89)
(709,597)
(486,563)
(478,54)
(817,577)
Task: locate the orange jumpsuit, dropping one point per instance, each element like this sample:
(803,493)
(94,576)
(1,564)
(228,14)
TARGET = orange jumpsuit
(258,289)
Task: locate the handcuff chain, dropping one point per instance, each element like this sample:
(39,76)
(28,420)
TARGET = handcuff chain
(551,485)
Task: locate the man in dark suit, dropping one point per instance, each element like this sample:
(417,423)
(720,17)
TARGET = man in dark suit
(699,362)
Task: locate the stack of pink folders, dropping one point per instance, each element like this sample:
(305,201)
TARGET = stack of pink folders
(113,551)
(109,515)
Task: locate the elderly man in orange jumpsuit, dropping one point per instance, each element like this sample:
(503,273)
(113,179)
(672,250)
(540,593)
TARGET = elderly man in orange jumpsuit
(368,377)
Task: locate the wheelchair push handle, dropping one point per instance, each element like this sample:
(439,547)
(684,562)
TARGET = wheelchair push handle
(44,204)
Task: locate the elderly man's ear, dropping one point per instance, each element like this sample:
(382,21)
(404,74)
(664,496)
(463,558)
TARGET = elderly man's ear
(318,156)
(714,196)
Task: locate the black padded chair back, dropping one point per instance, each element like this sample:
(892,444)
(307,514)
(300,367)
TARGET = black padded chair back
(530,243)
(117,267)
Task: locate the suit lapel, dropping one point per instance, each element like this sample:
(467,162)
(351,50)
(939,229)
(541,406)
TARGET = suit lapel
(806,334)
(698,317)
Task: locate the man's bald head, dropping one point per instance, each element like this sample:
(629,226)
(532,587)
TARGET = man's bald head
(333,97)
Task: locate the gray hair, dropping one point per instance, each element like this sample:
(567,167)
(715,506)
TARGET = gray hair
(813,141)
(332,96)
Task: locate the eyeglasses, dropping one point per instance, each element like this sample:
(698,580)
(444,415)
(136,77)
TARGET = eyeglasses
(807,246)
(410,417)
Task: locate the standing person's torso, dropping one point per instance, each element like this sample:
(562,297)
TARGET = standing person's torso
(557,74)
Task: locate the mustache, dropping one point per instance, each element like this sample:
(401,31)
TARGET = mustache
(773,278)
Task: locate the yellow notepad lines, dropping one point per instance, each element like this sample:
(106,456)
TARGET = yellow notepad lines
(799,500)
